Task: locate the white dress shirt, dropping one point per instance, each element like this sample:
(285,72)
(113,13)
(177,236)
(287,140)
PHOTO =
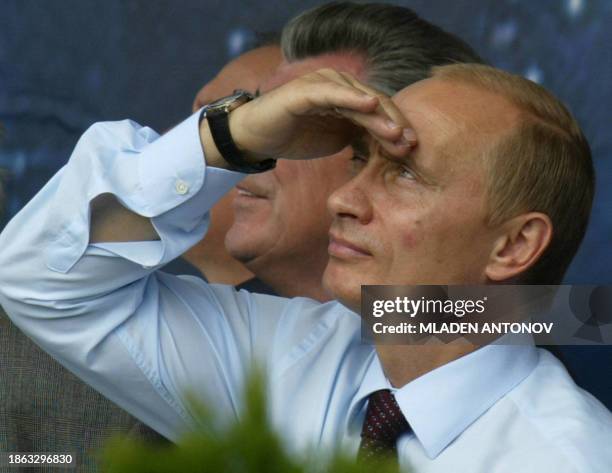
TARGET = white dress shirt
(143,337)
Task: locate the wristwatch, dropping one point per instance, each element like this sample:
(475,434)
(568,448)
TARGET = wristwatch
(217,114)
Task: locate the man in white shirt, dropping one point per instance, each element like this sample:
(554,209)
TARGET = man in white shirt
(461,179)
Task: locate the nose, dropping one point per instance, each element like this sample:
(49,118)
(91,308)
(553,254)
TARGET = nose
(351,201)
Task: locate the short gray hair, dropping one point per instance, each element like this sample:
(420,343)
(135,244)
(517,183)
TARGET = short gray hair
(542,164)
(399,47)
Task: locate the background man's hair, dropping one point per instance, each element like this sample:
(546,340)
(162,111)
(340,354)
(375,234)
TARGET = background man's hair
(543,164)
(399,48)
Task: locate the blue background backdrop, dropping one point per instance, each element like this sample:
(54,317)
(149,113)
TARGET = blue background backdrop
(66,64)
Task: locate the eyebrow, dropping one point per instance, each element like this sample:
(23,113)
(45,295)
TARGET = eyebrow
(361,146)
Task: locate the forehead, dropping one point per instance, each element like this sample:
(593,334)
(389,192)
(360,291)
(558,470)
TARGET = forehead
(454,121)
(342,62)
(247,71)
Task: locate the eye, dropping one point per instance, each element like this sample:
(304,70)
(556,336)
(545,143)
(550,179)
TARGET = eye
(407,173)
(358,162)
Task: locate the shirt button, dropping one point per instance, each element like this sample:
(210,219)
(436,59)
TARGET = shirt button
(181,187)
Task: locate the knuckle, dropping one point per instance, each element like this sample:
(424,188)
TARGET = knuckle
(383,98)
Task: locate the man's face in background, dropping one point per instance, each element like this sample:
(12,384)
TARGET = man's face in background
(281,222)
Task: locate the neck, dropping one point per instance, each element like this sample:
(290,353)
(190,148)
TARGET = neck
(405,363)
(297,276)
(218,266)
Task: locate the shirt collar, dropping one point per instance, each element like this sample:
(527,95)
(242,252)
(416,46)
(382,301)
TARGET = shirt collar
(441,404)
(373,380)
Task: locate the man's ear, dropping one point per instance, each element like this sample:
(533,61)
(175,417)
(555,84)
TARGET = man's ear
(522,241)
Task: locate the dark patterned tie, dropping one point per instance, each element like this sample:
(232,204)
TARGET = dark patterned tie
(383,424)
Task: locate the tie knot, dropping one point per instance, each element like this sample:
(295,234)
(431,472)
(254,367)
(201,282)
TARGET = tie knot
(384,421)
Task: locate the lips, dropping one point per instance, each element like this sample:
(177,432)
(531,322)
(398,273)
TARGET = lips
(250,192)
(343,248)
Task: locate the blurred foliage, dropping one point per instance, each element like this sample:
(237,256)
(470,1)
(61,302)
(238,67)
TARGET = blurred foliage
(248,446)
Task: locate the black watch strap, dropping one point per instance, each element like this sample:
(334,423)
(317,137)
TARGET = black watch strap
(218,123)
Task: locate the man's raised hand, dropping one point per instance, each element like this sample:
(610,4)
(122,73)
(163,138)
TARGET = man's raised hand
(315,115)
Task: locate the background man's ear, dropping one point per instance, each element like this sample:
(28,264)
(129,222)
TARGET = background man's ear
(522,241)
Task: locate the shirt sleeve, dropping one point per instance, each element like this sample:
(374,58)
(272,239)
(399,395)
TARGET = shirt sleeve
(139,336)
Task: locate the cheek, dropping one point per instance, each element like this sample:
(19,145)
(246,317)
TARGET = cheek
(306,220)
(410,239)
(287,172)
(336,170)
(407,232)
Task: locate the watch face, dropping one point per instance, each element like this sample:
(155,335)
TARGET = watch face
(227,104)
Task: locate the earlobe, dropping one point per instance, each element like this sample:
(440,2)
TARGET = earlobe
(522,241)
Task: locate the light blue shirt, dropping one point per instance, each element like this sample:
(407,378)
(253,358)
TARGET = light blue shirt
(143,337)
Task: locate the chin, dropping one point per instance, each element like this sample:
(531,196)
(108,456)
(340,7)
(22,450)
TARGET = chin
(343,289)
(242,245)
